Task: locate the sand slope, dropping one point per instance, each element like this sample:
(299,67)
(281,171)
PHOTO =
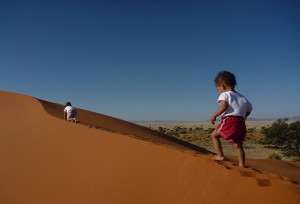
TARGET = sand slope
(44,159)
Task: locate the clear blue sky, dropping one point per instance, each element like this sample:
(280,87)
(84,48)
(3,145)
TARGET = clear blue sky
(152,60)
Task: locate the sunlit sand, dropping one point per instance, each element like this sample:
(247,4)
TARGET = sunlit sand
(45,159)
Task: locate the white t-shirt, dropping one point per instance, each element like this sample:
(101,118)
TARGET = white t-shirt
(238,105)
(70,112)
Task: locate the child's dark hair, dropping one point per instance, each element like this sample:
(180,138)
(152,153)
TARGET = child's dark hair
(68,104)
(225,77)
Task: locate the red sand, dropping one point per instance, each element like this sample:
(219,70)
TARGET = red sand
(45,159)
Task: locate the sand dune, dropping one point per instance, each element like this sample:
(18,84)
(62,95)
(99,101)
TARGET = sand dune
(45,159)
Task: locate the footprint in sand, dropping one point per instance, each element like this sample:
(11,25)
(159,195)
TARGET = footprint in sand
(261,179)
(295,188)
(228,167)
(247,173)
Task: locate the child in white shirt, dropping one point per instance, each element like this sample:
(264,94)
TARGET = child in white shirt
(70,113)
(234,108)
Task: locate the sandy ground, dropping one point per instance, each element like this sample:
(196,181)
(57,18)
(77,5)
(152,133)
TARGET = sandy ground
(45,159)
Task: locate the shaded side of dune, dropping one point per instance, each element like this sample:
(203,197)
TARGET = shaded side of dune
(104,122)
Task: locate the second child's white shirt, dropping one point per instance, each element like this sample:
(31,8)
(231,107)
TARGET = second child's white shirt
(69,110)
(238,105)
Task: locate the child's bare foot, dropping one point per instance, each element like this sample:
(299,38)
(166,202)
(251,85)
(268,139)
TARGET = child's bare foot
(218,158)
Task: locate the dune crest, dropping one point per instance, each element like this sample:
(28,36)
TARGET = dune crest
(111,124)
(47,160)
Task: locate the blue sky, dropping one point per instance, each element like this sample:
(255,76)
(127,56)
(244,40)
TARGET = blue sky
(152,60)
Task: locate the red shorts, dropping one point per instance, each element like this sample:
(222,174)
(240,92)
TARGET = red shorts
(232,128)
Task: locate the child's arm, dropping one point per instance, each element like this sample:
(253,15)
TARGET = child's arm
(219,111)
(249,109)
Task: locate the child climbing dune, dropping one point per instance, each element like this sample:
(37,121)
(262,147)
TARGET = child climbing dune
(234,108)
(70,113)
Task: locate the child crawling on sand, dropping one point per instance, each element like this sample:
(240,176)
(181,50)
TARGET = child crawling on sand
(234,108)
(70,113)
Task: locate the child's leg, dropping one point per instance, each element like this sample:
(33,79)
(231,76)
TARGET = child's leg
(72,119)
(217,145)
(241,153)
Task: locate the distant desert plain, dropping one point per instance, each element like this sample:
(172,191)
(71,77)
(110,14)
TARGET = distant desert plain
(102,159)
(198,133)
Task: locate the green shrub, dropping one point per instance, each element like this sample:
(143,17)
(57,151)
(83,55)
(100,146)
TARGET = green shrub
(210,130)
(162,130)
(274,156)
(284,136)
(294,159)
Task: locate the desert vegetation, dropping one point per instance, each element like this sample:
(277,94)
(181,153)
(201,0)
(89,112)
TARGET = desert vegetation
(264,140)
(283,136)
